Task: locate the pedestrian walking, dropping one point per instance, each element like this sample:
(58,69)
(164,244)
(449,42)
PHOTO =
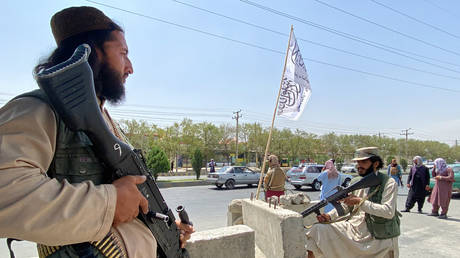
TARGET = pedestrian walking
(394,170)
(418,184)
(442,191)
(212,166)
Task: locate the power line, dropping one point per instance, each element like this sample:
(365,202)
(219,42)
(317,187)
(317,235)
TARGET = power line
(313,42)
(415,19)
(383,47)
(388,28)
(279,52)
(443,9)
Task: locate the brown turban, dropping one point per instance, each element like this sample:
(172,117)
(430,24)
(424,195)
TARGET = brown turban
(273,161)
(75,20)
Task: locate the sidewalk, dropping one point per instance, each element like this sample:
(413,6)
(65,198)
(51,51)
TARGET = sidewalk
(165,181)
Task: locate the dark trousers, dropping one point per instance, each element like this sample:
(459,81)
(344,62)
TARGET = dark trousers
(412,197)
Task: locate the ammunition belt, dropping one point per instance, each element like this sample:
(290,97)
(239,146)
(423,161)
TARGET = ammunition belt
(109,247)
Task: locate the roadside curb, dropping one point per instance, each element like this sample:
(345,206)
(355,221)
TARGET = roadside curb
(181,184)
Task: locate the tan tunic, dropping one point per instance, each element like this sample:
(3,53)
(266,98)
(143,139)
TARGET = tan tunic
(352,238)
(278,181)
(37,208)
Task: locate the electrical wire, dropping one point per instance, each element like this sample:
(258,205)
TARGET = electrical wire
(279,52)
(313,42)
(443,9)
(415,19)
(388,28)
(355,38)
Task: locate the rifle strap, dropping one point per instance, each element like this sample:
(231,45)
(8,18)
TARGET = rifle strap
(352,213)
(9,241)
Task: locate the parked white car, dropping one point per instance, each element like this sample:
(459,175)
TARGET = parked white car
(233,175)
(307,176)
(348,168)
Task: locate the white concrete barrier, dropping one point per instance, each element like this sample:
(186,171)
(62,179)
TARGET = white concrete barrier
(227,242)
(278,232)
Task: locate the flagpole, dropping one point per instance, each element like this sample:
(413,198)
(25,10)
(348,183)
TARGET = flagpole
(273,119)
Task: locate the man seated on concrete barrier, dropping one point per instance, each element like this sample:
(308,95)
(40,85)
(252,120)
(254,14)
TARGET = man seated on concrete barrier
(370,232)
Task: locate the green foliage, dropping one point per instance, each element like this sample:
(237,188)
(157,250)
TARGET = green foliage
(450,160)
(389,159)
(218,142)
(403,164)
(156,160)
(339,163)
(197,162)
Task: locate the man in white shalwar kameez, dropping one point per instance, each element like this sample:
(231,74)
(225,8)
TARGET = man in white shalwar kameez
(374,229)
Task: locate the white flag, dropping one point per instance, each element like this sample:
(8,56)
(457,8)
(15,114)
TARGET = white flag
(295,87)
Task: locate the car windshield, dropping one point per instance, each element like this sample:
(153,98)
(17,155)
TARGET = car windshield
(297,169)
(456,169)
(292,169)
(313,169)
(223,169)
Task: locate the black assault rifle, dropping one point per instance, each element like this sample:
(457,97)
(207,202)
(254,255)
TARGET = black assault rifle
(367,181)
(70,89)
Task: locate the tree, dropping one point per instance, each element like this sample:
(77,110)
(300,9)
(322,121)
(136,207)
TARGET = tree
(157,161)
(208,134)
(404,164)
(140,134)
(389,159)
(339,163)
(197,162)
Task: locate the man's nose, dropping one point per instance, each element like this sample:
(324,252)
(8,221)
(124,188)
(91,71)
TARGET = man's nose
(129,67)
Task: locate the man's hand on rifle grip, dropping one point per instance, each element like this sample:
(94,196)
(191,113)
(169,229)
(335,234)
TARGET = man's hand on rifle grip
(186,231)
(351,200)
(129,199)
(323,218)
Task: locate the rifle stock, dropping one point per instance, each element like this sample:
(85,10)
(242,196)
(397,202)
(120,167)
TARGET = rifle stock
(367,181)
(70,88)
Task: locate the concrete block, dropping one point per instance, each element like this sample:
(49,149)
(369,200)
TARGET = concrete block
(228,242)
(235,213)
(308,220)
(278,232)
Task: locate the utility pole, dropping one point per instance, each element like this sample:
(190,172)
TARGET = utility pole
(237,116)
(406,133)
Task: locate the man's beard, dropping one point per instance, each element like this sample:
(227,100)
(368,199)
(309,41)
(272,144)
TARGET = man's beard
(368,170)
(109,85)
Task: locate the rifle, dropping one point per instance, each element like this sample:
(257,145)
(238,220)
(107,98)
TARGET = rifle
(367,181)
(70,89)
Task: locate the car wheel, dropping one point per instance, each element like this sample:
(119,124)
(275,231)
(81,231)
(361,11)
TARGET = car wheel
(297,187)
(219,186)
(230,184)
(317,185)
(346,183)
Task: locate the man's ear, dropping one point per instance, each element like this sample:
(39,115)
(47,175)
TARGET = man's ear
(99,53)
(375,165)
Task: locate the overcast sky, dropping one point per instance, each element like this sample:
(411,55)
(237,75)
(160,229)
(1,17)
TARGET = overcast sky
(383,67)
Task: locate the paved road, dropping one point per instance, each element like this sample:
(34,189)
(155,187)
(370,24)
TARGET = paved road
(422,236)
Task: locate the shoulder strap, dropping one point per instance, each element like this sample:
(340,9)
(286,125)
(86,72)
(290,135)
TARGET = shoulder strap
(9,241)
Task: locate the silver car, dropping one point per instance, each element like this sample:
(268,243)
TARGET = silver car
(233,175)
(349,168)
(308,176)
